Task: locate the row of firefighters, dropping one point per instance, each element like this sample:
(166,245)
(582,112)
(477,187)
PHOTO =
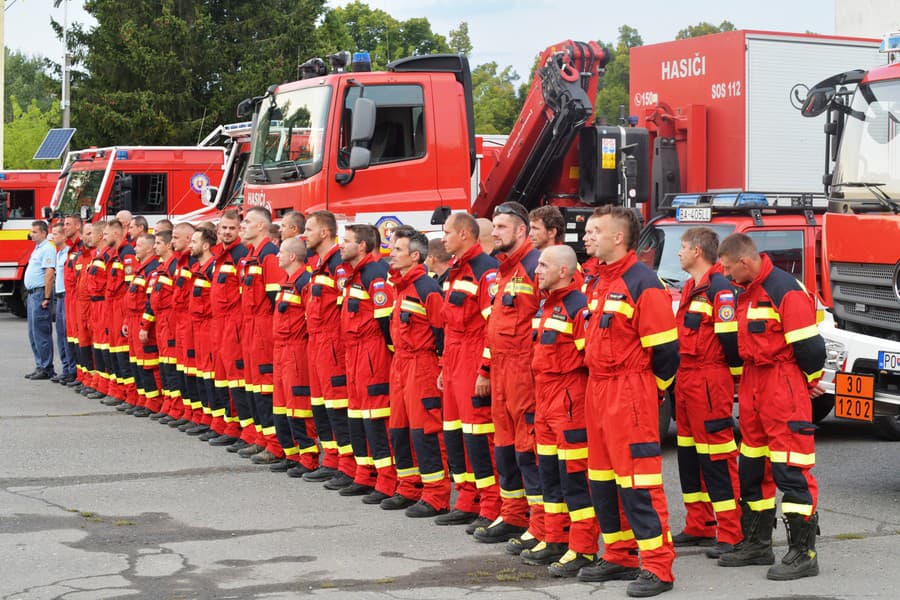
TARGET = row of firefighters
(525,381)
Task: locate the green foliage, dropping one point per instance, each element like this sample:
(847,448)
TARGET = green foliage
(613,89)
(23,134)
(27,80)
(704,28)
(459,39)
(494,95)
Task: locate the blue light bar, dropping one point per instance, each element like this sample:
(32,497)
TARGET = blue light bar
(890,43)
(2,176)
(685,200)
(723,200)
(361,62)
(121,154)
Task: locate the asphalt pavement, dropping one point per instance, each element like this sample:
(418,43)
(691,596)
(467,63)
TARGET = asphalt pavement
(96,504)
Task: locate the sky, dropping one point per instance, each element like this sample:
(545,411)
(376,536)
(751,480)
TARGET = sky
(509,32)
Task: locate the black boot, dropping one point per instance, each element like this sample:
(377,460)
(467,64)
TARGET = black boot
(756,547)
(801,559)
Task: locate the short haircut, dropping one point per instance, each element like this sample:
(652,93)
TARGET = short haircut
(367,234)
(738,245)
(186,225)
(514,209)
(295,246)
(141,221)
(325,219)
(626,218)
(464,221)
(165,236)
(230,215)
(704,238)
(58,225)
(438,252)
(207,225)
(163,224)
(115,224)
(274,230)
(551,218)
(295,218)
(75,218)
(418,242)
(99,226)
(207,235)
(42,225)
(147,237)
(262,212)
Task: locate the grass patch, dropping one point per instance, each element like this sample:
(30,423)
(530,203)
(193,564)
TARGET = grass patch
(513,575)
(850,536)
(327,585)
(122,522)
(86,514)
(385,580)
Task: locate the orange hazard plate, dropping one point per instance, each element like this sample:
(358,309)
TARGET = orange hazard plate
(853,396)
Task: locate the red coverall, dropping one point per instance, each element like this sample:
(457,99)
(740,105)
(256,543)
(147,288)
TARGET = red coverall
(560,379)
(327,363)
(365,323)
(291,406)
(260,283)
(507,361)
(783,355)
(225,300)
(468,428)
(121,272)
(87,369)
(200,309)
(144,358)
(70,281)
(632,354)
(185,348)
(159,313)
(704,400)
(415,400)
(96,286)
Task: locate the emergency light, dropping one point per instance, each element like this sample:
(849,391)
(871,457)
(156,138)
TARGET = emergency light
(2,176)
(121,154)
(361,62)
(740,199)
(890,44)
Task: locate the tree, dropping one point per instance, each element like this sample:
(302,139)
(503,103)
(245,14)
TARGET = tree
(23,134)
(27,80)
(613,88)
(704,28)
(495,100)
(459,39)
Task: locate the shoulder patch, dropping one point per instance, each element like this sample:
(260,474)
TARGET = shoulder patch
(267,249)
(726,312)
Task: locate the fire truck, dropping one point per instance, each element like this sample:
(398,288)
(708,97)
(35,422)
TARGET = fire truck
(23,196)
(862,239)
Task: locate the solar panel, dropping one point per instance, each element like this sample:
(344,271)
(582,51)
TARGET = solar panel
(54,144)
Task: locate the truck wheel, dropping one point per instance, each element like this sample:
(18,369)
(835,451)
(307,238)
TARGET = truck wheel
(822,407)
(16,303)
(889,427)
(665,416)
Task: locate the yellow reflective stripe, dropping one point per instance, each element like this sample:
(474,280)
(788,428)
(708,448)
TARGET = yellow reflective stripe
(164,280)
(99,264)
(323,280)
(764,504)
(363,461)
(383,463)
(601,474)
(279,410)
(546,449)
(381,313)
(700,307)
(317,401)
(432,477)
(793,507)
(518,288)
(413,307)
(556,508)
(798,458)
(651,544)
(452,425)
(536,323)
(227,269)
(138,281)
(579,344)
(725,327)
(582,514)
(804,333)
(695,497)
(810,377)
(478,428)
(273,287)
(345,450)
(486,353)
(640,480)
(512,493)
(485,482)
(736,371)
(764,313)
(754,451)
(254,270)
(463,477)
(329,444)
(620,307)
(778,456)
(464,286)
(820,316)
(657,339)
(572,453)
(148,317)
(358,293)
(378,413)
(410,472)
(336,404)
(354,413)
(724,505)
(713,449)
(486,312)
(685,441)
(301,413)
(664,384)
(618,536)
(557,325)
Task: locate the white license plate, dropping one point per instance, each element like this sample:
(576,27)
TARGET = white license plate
(701,214)
(889,361)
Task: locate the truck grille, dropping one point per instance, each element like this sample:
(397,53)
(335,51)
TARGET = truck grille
(864,299)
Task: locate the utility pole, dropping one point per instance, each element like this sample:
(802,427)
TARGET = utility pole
(2,80)
(64,99)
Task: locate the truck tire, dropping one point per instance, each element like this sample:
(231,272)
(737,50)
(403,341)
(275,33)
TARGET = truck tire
(889,427)
(666,411)
(17,304)
(822,407)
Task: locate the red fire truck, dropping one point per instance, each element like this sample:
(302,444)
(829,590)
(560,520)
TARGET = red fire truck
(862,239)
(23,196)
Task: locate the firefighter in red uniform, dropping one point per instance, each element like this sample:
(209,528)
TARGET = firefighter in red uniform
(291,406)
(783,360)
(570,524)
(260,283)
(416,330)
(144,358)
(86,372)
(468,428)
(121,272)
(365,325)
(632,357)
(183,331)
(72,231)
(203,240)
(96,285)
(506,373)
(225,299)
(327,363)
(704,398)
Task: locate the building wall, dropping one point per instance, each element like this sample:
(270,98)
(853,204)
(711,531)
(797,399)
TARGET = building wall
(866,18)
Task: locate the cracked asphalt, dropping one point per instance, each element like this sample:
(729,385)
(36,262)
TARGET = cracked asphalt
(95,504)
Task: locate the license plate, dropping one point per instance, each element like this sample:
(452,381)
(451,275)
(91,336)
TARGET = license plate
(889,361)
(853,396)
(702,214)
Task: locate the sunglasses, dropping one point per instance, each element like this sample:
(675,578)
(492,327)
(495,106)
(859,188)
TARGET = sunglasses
(507,209)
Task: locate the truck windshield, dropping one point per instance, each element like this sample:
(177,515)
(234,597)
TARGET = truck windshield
(289,135)
(869,158)
(659,245)
(81,189)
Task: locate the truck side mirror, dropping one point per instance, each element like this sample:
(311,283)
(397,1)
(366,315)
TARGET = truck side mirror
(4,207)
(208,196)
(46,213)
(85,212)
(360,135)
(817,101)
(440,215)
(245,108)
(360,157)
